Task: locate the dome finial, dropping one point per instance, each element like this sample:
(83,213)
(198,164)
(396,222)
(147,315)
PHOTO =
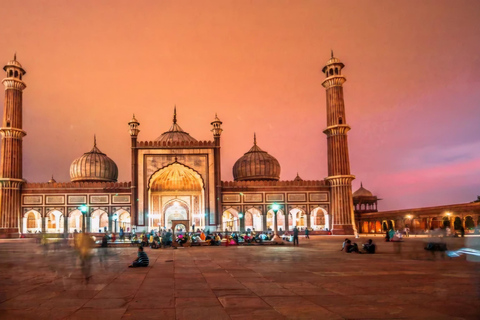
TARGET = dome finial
(15,56)
(94,140)
(175,114)
(255,138)
(331,50)
(361,184)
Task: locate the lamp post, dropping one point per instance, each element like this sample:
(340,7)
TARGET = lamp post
(275,208)
(241,222)
(83,210)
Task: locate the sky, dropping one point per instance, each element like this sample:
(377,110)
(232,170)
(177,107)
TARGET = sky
(412,94)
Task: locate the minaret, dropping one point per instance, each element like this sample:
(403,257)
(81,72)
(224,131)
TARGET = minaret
(217,131)
(11,175)
(134,131)
(339,176)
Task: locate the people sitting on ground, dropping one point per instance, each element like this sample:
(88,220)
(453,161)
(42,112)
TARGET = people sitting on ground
(235,238)
(202,236)
(218,239)
(247,238)
(155,243)
(369,247)
(286,236)
(349,247)
(151,238)
(142,259)
(344,244)
(276,239)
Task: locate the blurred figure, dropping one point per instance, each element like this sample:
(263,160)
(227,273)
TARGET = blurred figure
(295,235)
(369,247)
(349,247)
(276,239)
(84,246)
(344,244)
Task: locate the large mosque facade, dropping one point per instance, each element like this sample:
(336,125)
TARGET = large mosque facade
(175,178)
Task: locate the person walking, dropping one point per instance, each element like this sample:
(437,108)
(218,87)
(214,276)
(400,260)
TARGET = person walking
(306,233)
(295,235)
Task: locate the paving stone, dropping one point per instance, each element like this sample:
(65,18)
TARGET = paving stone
(314,281)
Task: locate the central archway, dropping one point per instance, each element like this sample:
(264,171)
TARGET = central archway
(176,192)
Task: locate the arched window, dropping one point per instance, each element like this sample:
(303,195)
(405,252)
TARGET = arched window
(10,73)
(16,73)
(331,72)
(336,70)
(340,120)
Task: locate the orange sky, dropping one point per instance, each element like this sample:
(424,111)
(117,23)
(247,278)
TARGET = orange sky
(412,92)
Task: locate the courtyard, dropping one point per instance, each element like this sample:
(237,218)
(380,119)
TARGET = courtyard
(313,281)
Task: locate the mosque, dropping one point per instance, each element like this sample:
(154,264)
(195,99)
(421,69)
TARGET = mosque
(176,182)
(175,179)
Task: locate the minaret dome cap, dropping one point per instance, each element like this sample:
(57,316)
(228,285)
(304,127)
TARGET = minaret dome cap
(14,63)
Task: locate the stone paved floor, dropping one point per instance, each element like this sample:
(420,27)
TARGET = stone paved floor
(313,281)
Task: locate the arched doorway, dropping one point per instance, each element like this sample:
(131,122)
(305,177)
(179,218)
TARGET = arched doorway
(446,221)
(280,220)
(469,223)
(230,221)
(99,221)
(32,222)
(253,219)
(175,210)
(75,221)
(298,218)
(319,219)
(457,223)
(176,192)
(55,221)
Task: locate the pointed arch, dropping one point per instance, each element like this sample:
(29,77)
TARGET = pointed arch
(176,176)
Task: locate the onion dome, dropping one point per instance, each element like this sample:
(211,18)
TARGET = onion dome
(52,180)
(94,166)
(14,63)
(256,164)
(297,178)
(362,192)
(175,133)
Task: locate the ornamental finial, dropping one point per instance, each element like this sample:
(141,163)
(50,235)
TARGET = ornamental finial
(175,114)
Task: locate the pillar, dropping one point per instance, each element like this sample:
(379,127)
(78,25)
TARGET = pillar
(339,177)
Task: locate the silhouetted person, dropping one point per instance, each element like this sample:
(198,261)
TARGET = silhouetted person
(295,235)
(142,259)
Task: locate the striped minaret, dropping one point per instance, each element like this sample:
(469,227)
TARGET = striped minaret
(339,176)
(11,175)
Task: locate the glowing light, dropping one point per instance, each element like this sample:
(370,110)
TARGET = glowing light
(275,207)
(84,208)
(115,217)
(448,213)
(176,204)
(240,215)
(409,216)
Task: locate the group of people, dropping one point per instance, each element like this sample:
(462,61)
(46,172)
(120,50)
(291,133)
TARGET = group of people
(350,247)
